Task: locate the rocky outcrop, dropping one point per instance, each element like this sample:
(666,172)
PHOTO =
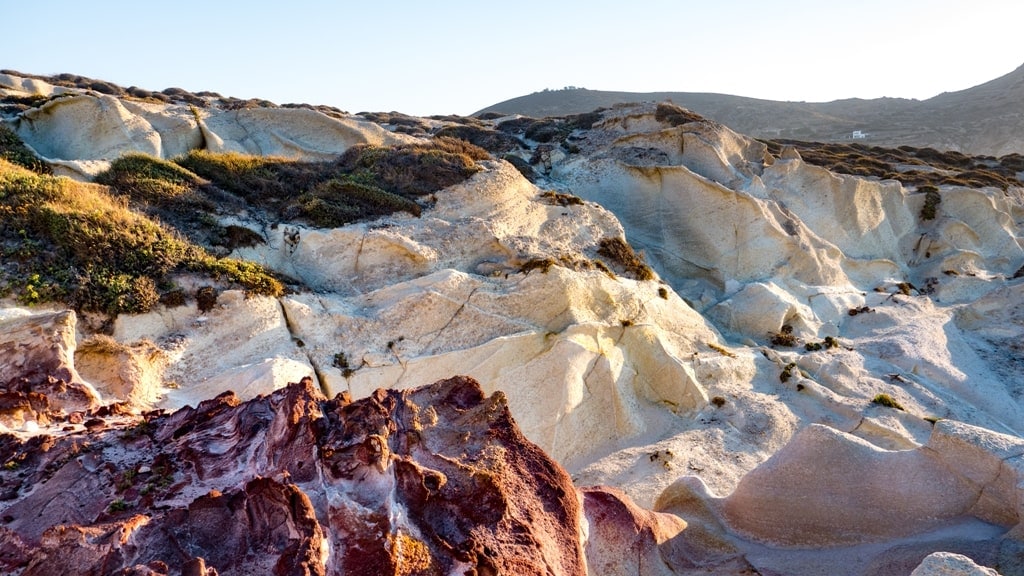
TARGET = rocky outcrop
(947,564)
(769,392)
(38,380)
(434,481)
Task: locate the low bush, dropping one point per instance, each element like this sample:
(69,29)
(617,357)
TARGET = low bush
(340,201)
(620,252)
(489,139)
(76,243)
(887,401)
(674,115)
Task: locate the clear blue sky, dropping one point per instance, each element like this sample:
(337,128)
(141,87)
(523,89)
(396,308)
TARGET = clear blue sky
(442,57)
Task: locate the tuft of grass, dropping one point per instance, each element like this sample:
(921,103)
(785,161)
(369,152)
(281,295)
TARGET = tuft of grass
(887,401)
(620,252)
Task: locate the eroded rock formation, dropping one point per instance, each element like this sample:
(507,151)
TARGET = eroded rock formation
(433,481)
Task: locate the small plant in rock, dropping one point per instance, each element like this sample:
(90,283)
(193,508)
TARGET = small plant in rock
(931,202)
(560,199)
(861,310)
(542,264)
(206,298)
(887,401)
(118,505)
(826,344)
(718,401)
(620,252)
(721,350)
(663,293)
(784,337)
(787,372)
(341,362)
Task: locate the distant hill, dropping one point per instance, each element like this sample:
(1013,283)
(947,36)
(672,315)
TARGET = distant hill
(985,119)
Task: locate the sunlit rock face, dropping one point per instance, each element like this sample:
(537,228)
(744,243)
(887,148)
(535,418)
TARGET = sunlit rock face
(38,380)
(437,480)
(816,378)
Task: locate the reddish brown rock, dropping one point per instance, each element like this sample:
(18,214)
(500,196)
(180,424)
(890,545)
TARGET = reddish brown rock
(37,357)
(437,480)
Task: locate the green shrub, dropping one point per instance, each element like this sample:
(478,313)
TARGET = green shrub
(73,242)
(887,401)
(338,202)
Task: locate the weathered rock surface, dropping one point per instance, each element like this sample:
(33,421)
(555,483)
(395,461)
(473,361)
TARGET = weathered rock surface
(433,481)
(769,394)
(38,380)
(947,564)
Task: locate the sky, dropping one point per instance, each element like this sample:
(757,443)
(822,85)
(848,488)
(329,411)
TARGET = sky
(456,57)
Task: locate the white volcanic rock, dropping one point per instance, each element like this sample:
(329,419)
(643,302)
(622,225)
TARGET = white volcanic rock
(132,373)
(83,131)
(825,488)
(629,383)
(85,127)
(949,564)
(10,84)
(290,133)
(245,340)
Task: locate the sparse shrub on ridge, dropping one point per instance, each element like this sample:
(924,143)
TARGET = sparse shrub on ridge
(887,401)
(954,168)
(620,252)
(674,115)
(489,139)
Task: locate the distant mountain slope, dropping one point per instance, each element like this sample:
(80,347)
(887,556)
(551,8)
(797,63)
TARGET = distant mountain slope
(985,119)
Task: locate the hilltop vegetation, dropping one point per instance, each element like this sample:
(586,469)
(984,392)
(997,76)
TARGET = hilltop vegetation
(912,166)
(79,244)
(115,247)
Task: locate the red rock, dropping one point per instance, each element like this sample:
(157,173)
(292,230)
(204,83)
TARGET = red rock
(426,481)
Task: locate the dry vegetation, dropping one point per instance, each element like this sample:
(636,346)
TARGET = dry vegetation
(79,244)
(621,254)
(669,113)
(919,167)
(116,246)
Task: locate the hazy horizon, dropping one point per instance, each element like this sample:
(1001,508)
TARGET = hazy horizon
(457,57)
